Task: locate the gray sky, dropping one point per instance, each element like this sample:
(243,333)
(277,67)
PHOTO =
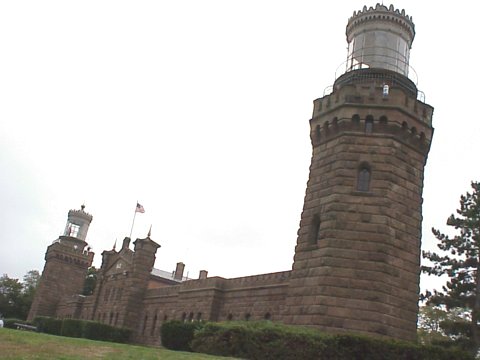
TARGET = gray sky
(199,110)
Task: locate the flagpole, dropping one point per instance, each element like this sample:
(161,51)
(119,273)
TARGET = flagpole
(133,222)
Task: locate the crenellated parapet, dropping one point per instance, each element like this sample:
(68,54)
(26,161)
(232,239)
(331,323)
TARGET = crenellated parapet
(372,109)
(80,214)
(214,282)
(162,292)
(258,280)
(381,13)
(70,256)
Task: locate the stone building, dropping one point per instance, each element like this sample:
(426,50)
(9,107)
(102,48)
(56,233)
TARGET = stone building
(357,259)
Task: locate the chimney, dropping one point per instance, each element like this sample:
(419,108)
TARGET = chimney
(126,243)
(203,274)
(179,271)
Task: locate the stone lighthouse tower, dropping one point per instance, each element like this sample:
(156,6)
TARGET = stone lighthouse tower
(66,262)
(357,258)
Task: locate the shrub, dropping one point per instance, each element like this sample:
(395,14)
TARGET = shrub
(72,328)
(274,341)
(121,335)
(48,325)
(177,335)
(82,329)
(97,331)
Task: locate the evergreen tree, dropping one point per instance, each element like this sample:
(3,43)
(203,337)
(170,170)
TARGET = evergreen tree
(459,259)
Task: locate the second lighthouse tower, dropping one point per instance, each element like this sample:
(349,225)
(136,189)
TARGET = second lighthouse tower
(357,258)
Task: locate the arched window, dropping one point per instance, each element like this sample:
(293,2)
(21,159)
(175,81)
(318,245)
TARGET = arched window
(184,317)
(383,120)
(369,124)
(230,317)
(314,229)
(154,324)
(335,122)
(247,316)
(119,294)
(106,294)
(267,316)
(199,316)
(144,324)
(363,179)
(112,294)
(356,119)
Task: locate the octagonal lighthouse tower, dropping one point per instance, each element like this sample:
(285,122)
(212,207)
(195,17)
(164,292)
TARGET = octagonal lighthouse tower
(357,258)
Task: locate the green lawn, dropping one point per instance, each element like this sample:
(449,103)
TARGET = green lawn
(15,344)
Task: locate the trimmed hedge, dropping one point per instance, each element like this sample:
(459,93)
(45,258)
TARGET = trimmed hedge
(82,329)
(265,340)
(48,325)
(72,328)
(97,331)
(177,335)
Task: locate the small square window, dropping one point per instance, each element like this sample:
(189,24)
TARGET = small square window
(72,230)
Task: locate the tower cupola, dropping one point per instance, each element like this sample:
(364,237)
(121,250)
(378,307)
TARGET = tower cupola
(77,224)
(380,38)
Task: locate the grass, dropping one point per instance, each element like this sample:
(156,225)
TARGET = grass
(15,344)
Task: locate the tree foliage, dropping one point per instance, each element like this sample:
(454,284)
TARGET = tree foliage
(459,260)
(434,323)
(90,281)
(16,296)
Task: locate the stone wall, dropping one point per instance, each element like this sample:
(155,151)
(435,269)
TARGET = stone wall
(63,275)
(213,299)
(357,257)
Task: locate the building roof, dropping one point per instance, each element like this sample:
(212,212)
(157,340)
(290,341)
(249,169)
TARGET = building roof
(169,275)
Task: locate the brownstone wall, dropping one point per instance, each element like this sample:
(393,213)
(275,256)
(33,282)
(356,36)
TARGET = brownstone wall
(74,307)
(357,256)
(258,297)
(63,275)
(213,299)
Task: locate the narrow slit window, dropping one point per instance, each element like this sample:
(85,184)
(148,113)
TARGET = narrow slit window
(144,324)
(369,125)
(364,175)
(314,229)
(154,324)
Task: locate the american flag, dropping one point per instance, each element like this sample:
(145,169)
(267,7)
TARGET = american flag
(139,208)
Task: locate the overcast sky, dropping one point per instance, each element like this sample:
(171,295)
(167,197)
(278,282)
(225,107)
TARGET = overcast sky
(199,110)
